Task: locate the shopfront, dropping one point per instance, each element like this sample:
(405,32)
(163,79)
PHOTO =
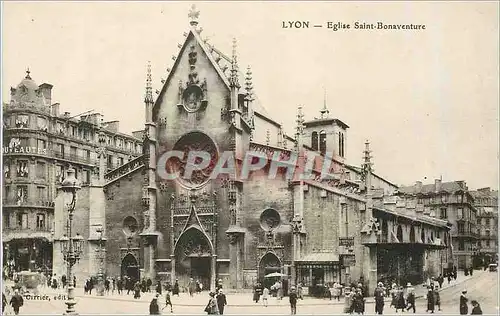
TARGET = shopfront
(317,272)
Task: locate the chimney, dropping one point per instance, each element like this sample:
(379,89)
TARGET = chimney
(437,185)
(46,89)
(418,186)
(55,109)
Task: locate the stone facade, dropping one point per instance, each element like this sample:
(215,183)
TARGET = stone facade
(40,144)
(486,202)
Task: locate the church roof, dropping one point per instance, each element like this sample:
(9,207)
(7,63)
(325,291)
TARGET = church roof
(220,61)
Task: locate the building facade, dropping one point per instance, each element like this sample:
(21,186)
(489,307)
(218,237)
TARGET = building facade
(40,143)
(237,229)
(453,202)
(486,202)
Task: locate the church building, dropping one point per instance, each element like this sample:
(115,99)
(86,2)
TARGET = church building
(236,231)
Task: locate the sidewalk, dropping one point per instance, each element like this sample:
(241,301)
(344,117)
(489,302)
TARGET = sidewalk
(242,299)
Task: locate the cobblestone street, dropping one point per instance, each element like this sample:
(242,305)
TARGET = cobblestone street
(240,303)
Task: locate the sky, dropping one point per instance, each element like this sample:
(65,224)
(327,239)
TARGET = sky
(426,100)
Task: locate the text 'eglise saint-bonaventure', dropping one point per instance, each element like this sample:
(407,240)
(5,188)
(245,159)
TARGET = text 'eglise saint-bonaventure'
(338,26)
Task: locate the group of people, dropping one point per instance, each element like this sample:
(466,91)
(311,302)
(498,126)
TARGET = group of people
(16,302)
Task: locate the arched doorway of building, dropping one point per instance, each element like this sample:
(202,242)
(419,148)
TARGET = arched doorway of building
(269,263)
(412,234)
(399,233)
(193,257)
(130,267)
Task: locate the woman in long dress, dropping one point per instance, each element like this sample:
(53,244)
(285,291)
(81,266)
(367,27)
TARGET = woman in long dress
(212,308)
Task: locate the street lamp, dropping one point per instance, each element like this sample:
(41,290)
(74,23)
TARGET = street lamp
(71,247)
(100,252)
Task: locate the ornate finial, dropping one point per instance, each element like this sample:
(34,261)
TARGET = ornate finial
(234,67)
(28,73)
(324,112)
(193,15)
(249,84)
(367,164)
(300,121)
(149,88)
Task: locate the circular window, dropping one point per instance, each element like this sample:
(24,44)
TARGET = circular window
(194,141)
(270,219)
(192,98)
(130,225)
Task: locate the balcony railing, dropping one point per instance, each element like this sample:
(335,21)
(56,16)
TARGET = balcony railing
(9,202)
(10,233)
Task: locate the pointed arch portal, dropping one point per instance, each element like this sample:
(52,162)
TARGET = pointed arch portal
(269,263)
(130,267)
(193,257)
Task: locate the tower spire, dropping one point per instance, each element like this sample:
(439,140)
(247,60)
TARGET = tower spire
(193,15)
(148,98)
(324,112)
(300,122)
(249,84)
(234,67)
(367,164)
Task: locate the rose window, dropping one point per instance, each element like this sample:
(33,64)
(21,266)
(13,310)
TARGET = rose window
(194,141)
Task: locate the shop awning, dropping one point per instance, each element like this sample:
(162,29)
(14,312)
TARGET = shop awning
(319,257)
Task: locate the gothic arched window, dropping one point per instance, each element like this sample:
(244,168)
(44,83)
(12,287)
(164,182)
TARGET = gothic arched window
(322,142)
(314,140)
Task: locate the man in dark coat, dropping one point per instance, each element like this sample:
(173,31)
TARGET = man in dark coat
(379,298)
(176,288)
(410,300)
(154,309)
(149,283)
(168,301)
(476,308)
(16,302)
(221,302)
(293,300)
(158,287)
(430,301)
(464,309)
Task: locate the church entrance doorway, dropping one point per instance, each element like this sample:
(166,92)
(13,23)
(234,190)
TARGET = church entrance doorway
(193,258)
(269,263)
(130,268)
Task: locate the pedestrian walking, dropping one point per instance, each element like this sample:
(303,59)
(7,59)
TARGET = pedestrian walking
(265,295)
(359,302)
(449,277)
(176,288)
(191,287)
(299,291)
(348,301)
(158,287)
(119,285)
(400,299)
(379,299)
(16,302)
(410,300)
(113,285)
(154,309)
(476,308)
(63,281)
(137,290)
(168,302)
(430,301)
(464,309)
(149,283)
(394,295)
(437,298)
(257,291)
(198,287)
(221,302)
(471,271)
(336,291)
(293,300)
(106,285)
(212,308)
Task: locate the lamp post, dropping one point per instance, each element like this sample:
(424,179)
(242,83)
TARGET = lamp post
(100,252)
(71,247)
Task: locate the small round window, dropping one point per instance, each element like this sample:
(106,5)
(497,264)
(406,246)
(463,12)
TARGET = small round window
(130,225)
(270,219)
